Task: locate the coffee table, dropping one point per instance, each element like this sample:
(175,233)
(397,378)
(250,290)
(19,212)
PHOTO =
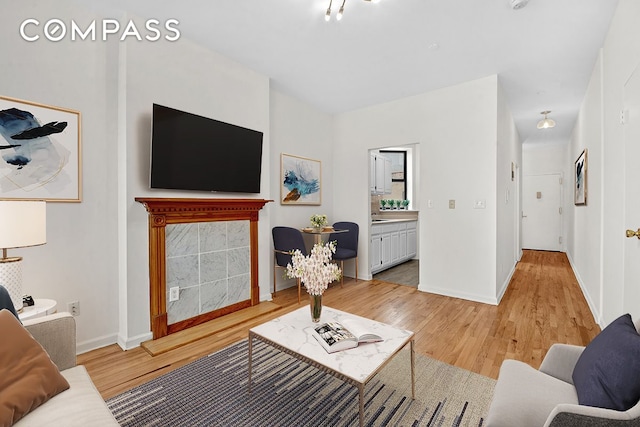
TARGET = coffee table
(291,334)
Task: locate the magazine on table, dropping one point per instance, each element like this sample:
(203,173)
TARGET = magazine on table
(337,336)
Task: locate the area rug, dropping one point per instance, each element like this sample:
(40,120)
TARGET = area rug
(212,391)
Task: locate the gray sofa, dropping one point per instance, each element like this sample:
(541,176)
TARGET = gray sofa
(526,397)
(81,404)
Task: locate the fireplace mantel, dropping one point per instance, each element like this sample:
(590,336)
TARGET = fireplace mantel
(165,211)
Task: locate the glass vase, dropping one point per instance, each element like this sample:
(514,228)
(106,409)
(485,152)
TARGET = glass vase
(315,305)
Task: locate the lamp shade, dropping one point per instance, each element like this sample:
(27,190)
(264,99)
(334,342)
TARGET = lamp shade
(22,223)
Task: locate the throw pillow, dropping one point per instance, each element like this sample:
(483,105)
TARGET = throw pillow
(28,377)
(607,374)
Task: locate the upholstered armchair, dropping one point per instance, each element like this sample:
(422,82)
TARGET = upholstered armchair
(548,397)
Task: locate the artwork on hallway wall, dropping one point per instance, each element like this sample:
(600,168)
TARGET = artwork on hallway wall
(580,175)
(299,180)
(40,152)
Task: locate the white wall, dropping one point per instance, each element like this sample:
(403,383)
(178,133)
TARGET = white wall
(596,247)
(620,58)
(456,131)
(584,242)
(79,261)
(509,152)
(300,130)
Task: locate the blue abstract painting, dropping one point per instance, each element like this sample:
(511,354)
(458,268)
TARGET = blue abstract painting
(39,152)
(300,180)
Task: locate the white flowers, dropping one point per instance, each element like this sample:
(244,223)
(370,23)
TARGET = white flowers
(315,271)
(318,220)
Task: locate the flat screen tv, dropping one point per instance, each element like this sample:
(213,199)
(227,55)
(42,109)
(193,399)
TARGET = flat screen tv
(191,152)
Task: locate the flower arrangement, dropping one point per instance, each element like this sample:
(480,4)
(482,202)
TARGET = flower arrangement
(318,220)
(316,270)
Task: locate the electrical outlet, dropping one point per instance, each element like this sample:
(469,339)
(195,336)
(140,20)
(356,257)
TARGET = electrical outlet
(174,293)
(74,308)
(452,204)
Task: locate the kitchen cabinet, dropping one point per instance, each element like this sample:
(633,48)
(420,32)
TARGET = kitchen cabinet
(392,243)
(412,239)
(379,174)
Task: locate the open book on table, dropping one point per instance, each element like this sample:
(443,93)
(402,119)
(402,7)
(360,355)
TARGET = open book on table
(335,336)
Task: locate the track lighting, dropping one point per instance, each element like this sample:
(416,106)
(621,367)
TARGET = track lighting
(327,15)
(546,123)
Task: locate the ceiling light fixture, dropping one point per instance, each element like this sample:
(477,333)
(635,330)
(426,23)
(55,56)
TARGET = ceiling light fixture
(327,15)
(546,123)
(518,4)
(341,11)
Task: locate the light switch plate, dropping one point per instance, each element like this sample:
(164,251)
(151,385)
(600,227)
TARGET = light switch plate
(452,204)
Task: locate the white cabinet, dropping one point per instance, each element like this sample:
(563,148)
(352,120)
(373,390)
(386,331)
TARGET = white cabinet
(387,176)
(379,174)
(392,243)
(372,174)
(402,243)
(412,239)
(375,251)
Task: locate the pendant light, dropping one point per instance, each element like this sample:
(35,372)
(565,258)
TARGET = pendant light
(546,123)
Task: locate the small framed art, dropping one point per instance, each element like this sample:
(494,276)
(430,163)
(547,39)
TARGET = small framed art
(580,188)
(300,180)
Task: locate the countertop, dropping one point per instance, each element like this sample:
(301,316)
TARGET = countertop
(387,221)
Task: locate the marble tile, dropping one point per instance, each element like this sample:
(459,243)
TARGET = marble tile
(211,263)
(213,266)
(181,239)
(186,307)
(213,295)
(213,236)
(239,261)
(239,289)
(182,271)
(239,234)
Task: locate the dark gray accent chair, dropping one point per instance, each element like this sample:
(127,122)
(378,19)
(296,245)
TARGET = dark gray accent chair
(346,244)
(285,240)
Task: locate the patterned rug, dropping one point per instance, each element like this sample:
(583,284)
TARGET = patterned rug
(212,391)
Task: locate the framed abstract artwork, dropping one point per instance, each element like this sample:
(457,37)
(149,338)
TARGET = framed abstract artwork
(40,152)
(580,189)
(300,182)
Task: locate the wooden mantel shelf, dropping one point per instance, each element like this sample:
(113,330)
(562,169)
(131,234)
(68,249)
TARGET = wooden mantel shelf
(175,206)
(165,211)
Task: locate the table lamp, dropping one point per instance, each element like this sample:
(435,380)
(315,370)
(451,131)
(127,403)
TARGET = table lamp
(22,223)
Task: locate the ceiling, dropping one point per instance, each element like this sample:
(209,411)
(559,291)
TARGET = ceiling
(543,53)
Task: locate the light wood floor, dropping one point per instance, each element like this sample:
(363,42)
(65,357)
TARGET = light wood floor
(543,305)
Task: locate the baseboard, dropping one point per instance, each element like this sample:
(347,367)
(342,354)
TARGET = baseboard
(461,295)
(93,344)
(505,284)
(594,311)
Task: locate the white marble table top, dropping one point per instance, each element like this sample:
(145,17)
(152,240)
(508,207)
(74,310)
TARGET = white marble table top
(292,331)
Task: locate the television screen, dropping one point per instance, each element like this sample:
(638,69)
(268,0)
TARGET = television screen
(191,152)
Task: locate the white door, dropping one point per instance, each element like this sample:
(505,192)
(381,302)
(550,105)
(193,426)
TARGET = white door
(541,212)
(632,194)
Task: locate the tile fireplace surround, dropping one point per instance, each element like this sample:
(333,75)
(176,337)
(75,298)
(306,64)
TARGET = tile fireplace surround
(207,247)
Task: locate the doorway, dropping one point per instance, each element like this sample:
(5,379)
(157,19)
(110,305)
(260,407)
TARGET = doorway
(542,212)
(632,192)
